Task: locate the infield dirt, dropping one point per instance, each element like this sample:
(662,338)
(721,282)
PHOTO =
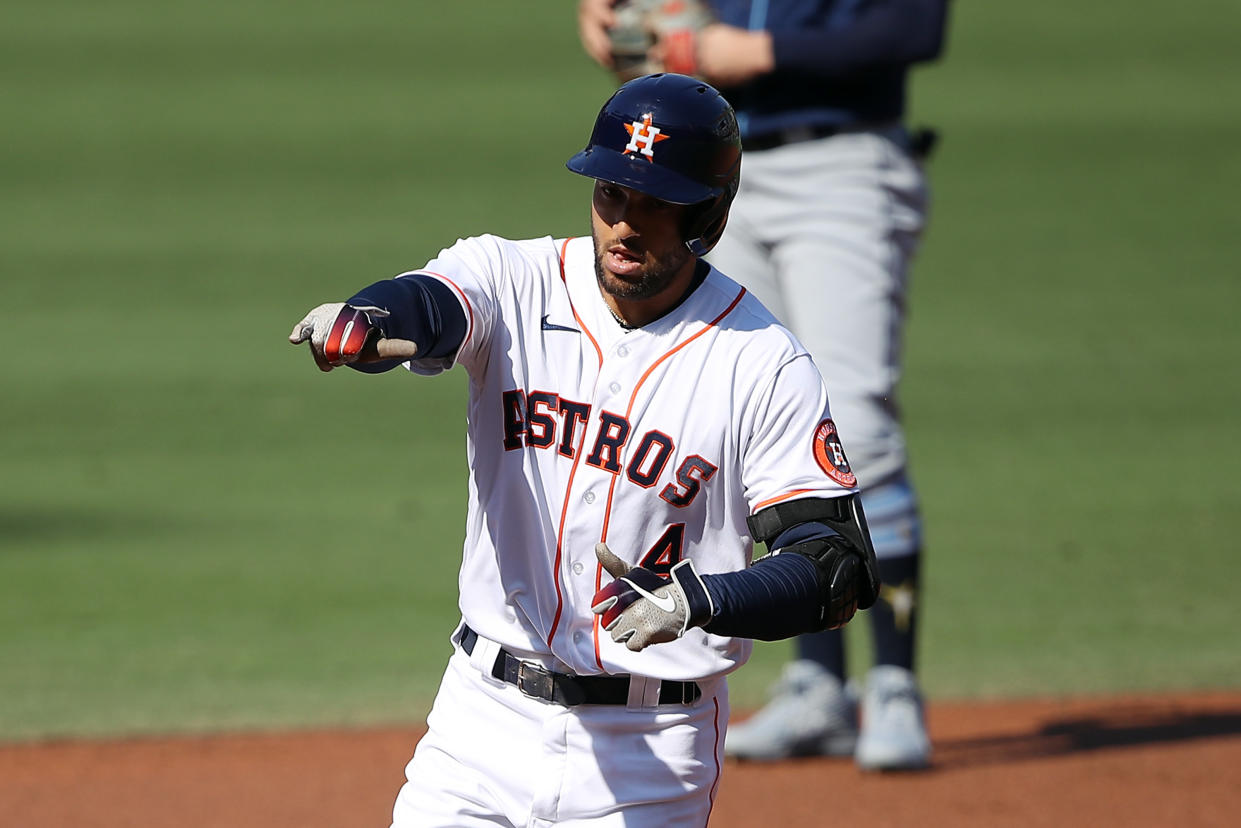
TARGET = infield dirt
(1167,760)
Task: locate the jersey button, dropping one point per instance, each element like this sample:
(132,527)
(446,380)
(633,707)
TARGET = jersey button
(622,351)
(614,388)
(589,497)
(577,568)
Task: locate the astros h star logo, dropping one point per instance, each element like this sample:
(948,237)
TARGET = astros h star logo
(643,136)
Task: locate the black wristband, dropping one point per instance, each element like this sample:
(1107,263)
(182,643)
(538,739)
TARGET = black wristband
(697,599)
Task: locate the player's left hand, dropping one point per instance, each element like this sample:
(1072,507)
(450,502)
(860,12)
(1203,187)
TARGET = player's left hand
(341,334)
(641,608)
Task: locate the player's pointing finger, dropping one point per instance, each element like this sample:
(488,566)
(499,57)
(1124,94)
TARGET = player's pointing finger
(301,331)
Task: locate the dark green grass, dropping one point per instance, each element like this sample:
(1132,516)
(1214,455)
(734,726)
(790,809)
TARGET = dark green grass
(199,531)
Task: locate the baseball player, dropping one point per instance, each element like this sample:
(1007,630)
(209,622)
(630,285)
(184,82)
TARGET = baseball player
(636,421)
(829,214)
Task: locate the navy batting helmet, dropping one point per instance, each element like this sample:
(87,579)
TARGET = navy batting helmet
(672,137)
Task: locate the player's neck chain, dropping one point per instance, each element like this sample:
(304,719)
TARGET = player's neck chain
(620,321)
(701,271)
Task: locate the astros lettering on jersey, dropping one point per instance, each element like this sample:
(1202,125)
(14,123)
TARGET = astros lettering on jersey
(591,452)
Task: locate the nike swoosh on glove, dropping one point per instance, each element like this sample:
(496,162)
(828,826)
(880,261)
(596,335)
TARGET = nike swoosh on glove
(641,608)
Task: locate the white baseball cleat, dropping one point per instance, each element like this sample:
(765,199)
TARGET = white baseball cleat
(810,714)
(893,735)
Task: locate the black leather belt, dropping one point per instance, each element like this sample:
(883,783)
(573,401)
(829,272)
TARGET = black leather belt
(793,135)
(570,690)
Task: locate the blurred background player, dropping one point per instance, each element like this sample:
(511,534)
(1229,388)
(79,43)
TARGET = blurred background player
(830,212)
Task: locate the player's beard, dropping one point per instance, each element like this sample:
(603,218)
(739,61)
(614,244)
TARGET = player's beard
(656,274)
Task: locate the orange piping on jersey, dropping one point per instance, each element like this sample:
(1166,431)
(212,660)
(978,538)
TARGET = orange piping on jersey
(715,784)
(646,375)
(598,567)
(577,456)
(607,514)
(656,363)
(598,625)
(758,507)
(564,513)
(563,252)
(464,299)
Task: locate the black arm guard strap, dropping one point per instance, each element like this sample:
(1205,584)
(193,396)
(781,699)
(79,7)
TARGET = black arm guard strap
(842,514)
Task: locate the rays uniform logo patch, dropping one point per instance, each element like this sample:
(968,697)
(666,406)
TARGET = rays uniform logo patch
(643,136)
(831,455)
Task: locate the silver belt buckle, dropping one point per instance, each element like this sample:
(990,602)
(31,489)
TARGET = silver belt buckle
(534,681)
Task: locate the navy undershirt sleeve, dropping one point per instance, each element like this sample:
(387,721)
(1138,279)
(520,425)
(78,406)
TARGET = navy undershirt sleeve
(897,32)
(780,596)
(421,309)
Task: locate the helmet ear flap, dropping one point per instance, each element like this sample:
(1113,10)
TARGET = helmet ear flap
(704,224)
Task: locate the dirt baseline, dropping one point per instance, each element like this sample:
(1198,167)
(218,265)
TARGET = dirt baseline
(1129,761)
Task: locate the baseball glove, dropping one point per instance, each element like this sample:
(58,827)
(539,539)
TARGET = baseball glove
(656,36)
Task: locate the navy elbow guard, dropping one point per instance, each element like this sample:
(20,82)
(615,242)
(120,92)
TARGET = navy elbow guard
(843,584)
(841,550)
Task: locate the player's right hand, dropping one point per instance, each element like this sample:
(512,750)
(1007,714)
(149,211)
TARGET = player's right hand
(338,333)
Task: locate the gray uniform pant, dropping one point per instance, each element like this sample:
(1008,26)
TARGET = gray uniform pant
(823,232)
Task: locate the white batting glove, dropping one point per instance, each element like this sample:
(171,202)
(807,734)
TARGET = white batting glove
(337,332)
(641,608)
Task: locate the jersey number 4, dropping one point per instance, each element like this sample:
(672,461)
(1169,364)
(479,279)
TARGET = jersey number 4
(667,551)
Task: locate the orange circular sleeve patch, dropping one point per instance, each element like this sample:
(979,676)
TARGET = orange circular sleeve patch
(830,455)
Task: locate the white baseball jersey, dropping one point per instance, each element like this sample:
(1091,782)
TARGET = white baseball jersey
(659,440)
